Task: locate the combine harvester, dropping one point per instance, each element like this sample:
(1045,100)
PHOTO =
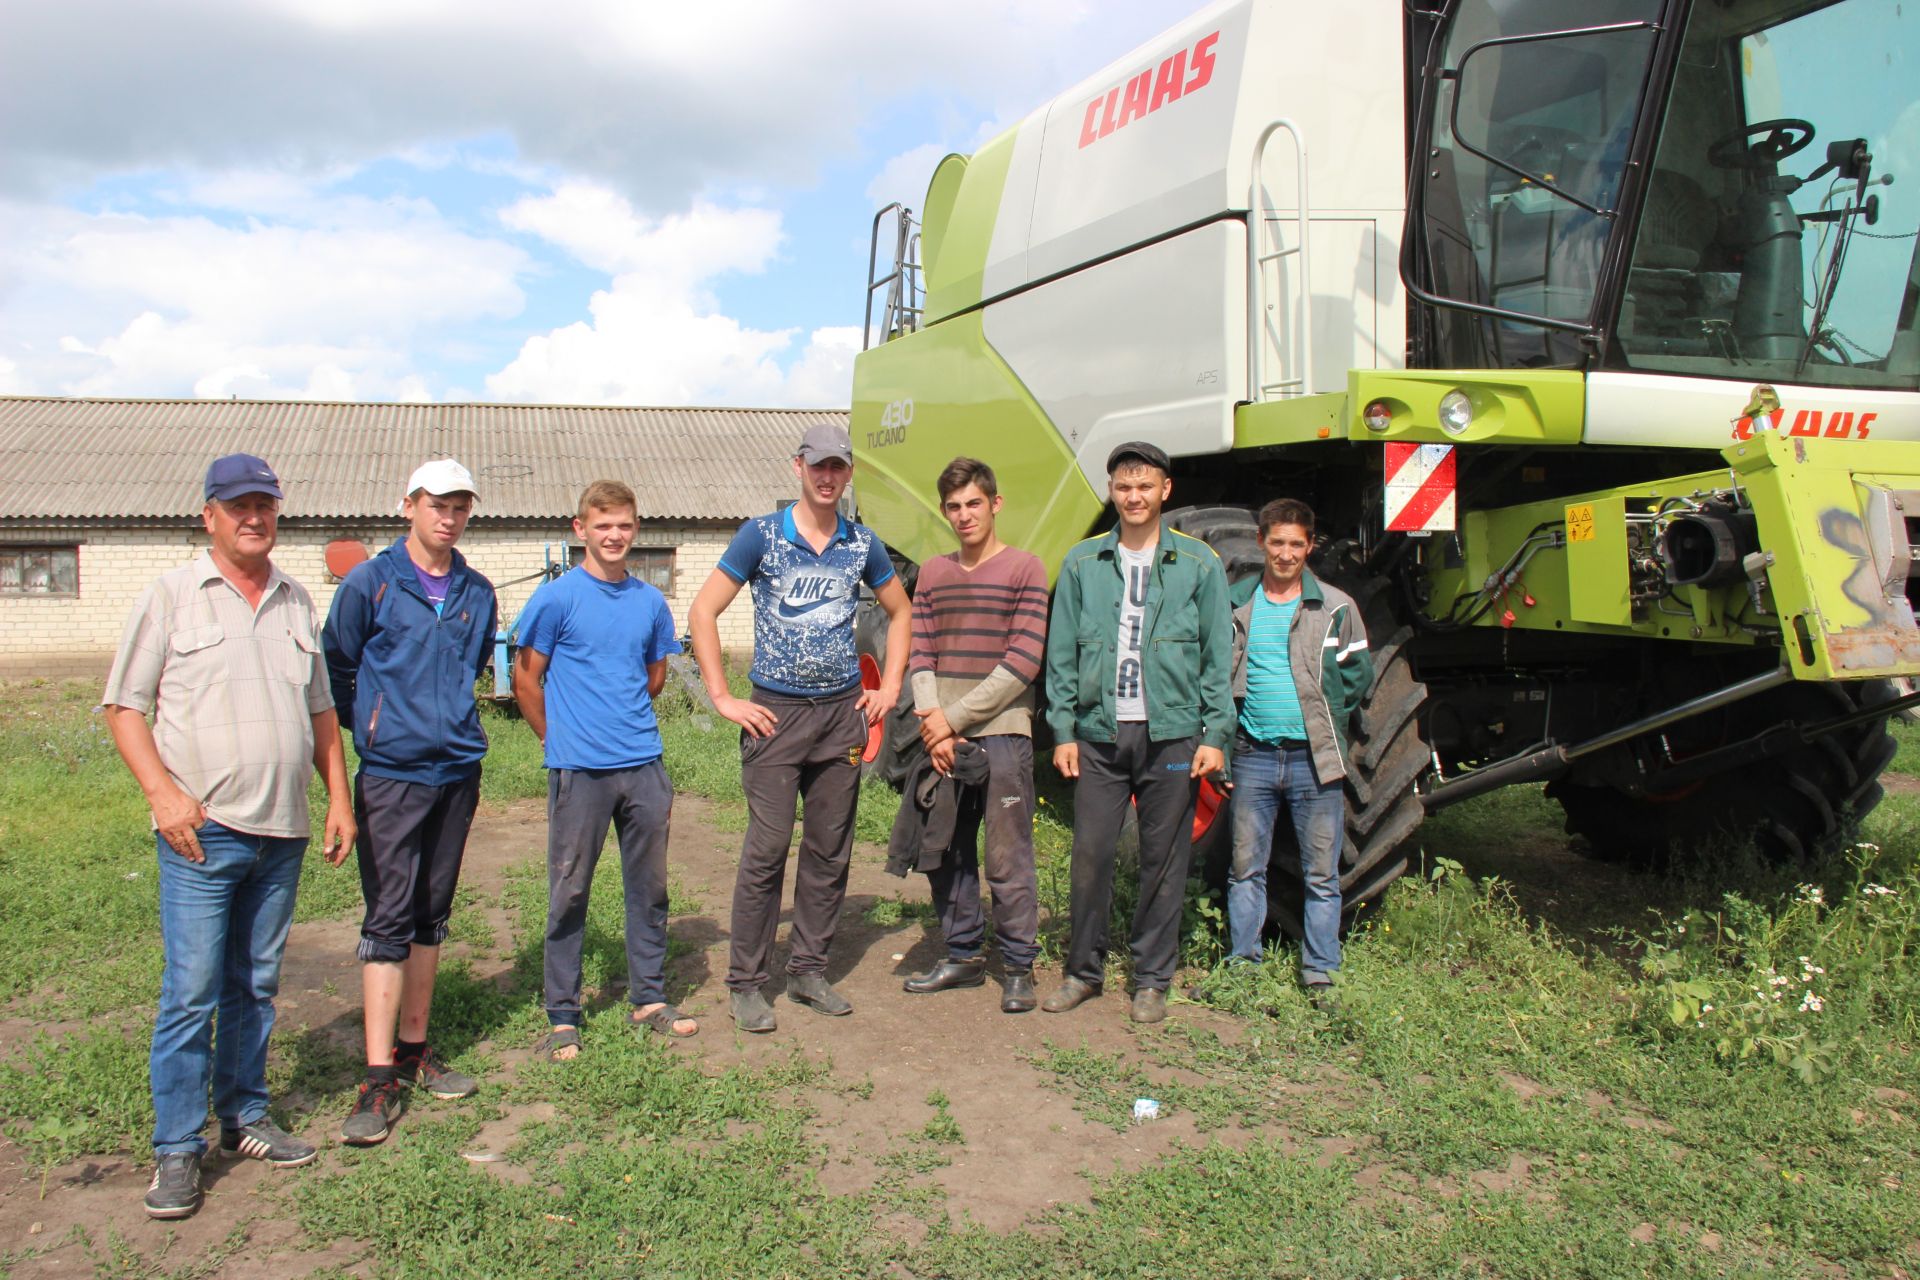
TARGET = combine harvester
(1588,327)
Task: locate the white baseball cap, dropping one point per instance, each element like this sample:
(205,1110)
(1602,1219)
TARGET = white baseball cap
(441,477)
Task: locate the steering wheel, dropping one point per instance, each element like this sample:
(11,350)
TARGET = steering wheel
(1783,137)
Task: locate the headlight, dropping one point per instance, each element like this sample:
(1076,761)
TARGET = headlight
(1377,416)
(1456,412)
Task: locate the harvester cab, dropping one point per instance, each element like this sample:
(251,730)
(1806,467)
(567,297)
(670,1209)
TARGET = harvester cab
(1589,328)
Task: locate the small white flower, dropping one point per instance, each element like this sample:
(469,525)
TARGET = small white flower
(1706,1008)
(1812,1003)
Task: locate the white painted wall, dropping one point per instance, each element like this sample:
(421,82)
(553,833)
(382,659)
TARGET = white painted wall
(66,634)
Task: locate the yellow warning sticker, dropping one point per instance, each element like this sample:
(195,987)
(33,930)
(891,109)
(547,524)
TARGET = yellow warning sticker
(1580,523)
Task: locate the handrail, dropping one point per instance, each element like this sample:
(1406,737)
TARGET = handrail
(1259,207)
(903,281)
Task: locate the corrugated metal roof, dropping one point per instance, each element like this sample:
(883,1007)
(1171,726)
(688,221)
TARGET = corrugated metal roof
(78,459)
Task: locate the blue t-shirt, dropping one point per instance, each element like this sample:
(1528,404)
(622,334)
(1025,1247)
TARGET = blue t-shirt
(1271,711)
(803,603)
(599,638)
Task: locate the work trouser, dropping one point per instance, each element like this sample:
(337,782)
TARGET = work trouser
(638,802)
(1157,777)
(813,754)
(412,838)
(1004,805)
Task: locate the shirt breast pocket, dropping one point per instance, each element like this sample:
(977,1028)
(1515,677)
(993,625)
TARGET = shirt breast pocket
(196,656)
(296,662)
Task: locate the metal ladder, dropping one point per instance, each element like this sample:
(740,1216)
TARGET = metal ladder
(906,294)
(1260,214)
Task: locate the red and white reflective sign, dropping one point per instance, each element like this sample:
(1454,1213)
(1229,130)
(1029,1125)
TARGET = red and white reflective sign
(1420,486)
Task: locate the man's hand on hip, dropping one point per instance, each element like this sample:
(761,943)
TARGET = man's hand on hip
(751,716)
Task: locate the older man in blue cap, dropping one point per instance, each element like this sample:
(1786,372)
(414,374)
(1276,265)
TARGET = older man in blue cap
(224,654)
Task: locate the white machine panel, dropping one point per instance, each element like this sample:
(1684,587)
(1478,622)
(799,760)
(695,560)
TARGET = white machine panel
(1164,137)
(1656,409)
(1156,351)
(1356,311)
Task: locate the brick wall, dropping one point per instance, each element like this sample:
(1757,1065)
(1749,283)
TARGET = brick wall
(67,635)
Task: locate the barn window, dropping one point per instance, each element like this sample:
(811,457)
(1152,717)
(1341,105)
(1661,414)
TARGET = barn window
(649,564)
(39,571)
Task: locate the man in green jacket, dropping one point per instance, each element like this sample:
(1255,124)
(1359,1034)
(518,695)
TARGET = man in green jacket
(1139,682)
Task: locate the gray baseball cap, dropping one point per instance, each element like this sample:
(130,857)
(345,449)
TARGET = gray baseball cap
(825,440)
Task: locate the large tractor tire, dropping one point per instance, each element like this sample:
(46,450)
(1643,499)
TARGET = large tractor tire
(892,742)
(1387,749)
(1797,805)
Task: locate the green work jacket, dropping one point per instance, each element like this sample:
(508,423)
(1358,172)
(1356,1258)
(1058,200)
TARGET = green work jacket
(1186,653)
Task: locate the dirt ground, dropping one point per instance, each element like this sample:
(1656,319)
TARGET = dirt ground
(1026,1146)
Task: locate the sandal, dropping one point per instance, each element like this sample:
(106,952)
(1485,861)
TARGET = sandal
(554,1041)
(662,1020)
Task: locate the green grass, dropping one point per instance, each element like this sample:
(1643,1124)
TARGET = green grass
(1523,1078)
(1906,737)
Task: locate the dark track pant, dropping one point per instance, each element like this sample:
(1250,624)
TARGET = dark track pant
(813,755)
(412,838)
(1156,776)
(580,804)
(1004,805)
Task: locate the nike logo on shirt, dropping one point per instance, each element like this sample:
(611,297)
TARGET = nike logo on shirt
(787,609)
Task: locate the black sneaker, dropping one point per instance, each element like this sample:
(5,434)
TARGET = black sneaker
(429,1073)
(374,1111)
(175,1192)
(265,1140)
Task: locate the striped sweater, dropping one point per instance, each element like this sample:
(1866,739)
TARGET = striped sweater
(979,641)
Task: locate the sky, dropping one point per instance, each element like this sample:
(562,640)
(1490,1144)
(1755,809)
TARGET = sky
(584,201)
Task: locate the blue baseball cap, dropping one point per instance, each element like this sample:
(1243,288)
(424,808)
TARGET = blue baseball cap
(240,473)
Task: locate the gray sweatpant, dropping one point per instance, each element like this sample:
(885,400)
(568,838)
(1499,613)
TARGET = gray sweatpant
(580,804)
(813,754)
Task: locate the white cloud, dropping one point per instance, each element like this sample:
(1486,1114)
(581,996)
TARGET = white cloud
(642,128)
(156,356)
(655,335)
(601,229)
(11,383)
(905,176)
(116,304)
(822,376)
(662,102)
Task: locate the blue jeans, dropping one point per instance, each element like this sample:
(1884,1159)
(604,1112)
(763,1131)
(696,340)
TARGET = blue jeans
(223,923)
(1264,780)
